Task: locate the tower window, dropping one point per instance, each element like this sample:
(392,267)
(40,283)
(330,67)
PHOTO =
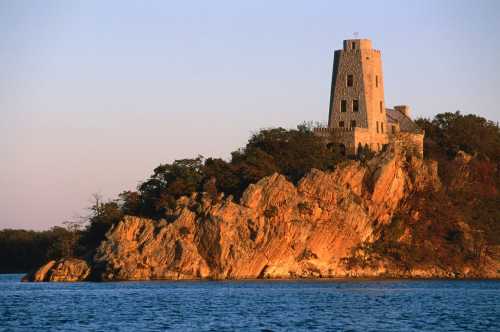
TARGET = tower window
(353,123)
(355,105)
(350,80)
(382,127)
(376,81)
(341,124)
(343,105)
(353,45)
(381,106)
(377,127)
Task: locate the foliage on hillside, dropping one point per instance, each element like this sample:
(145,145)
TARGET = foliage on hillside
(471,179)
(458,224)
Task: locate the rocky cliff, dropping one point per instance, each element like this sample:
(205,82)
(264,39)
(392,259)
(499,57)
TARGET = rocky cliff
(317,228)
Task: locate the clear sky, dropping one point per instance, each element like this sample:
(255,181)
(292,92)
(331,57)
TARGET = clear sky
(95,94)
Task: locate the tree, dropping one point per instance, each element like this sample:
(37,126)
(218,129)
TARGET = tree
(448,133)
(227,180)
(294,152)
(102,216)
(131,203)
(169,182)
(65,240)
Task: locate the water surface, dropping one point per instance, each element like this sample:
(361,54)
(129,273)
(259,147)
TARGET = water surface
(373,305)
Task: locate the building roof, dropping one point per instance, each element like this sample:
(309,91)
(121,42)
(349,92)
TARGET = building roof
(405,123)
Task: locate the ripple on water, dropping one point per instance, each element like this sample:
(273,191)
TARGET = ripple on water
(251,305)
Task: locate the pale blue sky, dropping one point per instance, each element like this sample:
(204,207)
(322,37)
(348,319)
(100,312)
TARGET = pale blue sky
(95,94)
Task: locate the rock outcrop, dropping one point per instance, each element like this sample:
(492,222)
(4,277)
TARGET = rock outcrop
(67,269)
(277,230)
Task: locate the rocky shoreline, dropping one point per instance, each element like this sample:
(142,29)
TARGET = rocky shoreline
(52,272)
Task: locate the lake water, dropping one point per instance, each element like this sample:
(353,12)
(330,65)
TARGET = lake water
(387,305)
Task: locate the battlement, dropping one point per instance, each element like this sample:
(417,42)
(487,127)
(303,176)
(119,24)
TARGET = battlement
(357,44)
(333,130)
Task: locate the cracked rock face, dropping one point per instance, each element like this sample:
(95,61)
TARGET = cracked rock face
(278,230)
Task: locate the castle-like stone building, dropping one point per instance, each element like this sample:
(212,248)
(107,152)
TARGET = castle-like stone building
(358,116)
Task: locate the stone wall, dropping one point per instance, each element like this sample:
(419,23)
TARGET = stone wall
(339,136)
(411,142)
(351,138)
(374,141)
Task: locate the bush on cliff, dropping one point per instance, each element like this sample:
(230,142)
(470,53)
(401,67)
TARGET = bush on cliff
(167,184)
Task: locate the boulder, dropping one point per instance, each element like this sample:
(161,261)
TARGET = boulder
(66,269)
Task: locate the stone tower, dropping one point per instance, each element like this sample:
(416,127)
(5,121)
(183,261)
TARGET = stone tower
(357,116)
(357,93)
